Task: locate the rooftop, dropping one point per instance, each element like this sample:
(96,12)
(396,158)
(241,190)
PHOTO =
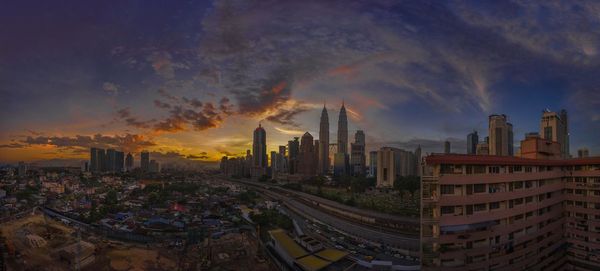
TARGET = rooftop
(331,254)
(287,243)
(312,263)
(469,159)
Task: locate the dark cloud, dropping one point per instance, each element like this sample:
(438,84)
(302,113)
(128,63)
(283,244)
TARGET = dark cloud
(13,145)
(162,105)
(126,116)
(197,157)
(287,116)
(127,142)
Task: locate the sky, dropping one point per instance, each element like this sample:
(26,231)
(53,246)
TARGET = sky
(191,80)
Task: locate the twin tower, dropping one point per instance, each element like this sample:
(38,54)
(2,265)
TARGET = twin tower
(342,138)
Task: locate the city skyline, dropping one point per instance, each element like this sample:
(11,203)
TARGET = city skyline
(184,89)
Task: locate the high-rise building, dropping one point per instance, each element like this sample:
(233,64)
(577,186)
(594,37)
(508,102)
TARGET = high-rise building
(259,151)
(102,161)
(342,133)
(154,166)
(22,169)
(386,167)
(554,127)
(447,148)
(393,163)
(583,153)
(373,164)
(93,160)
(340,164)
(281,161)
(418,161)
(111,156)
(358,157)
(129,162)
(483,148)
(274,164)
(293,155)
(472,141)
(307,165)
(145,161)
(500,136)
(323,167)
(509,213)
(119,161)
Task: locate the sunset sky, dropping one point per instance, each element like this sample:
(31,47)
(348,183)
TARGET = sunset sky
(192,79)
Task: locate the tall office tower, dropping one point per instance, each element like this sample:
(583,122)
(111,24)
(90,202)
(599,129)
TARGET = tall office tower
(259,151)
(373,164)
(358,157)
(247,164)
(111,156)
(153,166)
(509,213)
(281,161)
(129,162)
(386,167)
(145,161)
(274,164)
(316,152)
(583,153)
(472,141)
(22,169)
(119,161)
(342,133)
(500,136)
(102,161)
(93,160)
(447,147)
(307,156)
(554,127)
(293,155)
(418,170)
(323,167)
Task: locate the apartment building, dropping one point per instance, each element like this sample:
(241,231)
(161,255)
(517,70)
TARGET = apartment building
(508,213)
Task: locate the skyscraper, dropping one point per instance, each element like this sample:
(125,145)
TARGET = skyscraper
(373,164)
(119,161)
(583,153)
(447,148)
(554,127)
(500,136)
(259,151)
(307,155)
(145,161)
(323,167)
(418,170)
(129,162)
(111,156)
(358,157)
(93,160)
(472,141)
(101,154)
(293,155)
(342,134)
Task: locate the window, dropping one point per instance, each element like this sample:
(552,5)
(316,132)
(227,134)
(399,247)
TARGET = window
(548,133)
(517,168)
(494,170)
(447,210)
(494,205)
(518,185)
(479,207)
(447,189)
(528,169)
(479,188)
(528,199)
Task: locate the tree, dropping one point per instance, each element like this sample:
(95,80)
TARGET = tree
(111,197)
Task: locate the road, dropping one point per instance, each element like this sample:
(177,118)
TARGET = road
(406,245)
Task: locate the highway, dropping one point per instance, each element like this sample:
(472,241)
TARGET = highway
(407,245)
